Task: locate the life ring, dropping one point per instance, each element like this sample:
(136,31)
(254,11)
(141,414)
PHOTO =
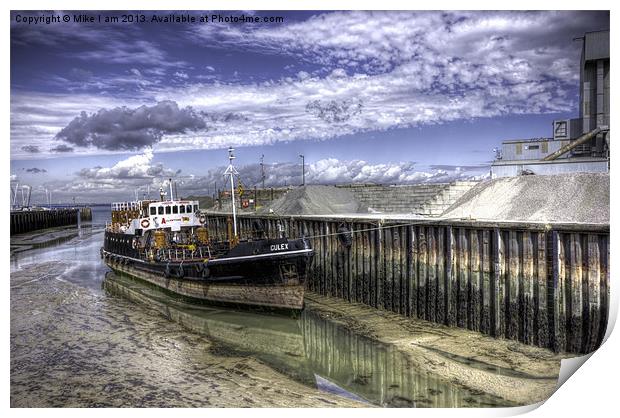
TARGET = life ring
(202,219)
(145,223)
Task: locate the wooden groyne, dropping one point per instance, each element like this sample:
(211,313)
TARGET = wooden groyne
(26,221)
(543,285)
(86,214)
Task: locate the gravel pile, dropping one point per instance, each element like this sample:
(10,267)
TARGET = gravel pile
(316,200)
(570,198)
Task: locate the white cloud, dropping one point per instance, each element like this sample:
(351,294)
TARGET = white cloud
(382,70)
(137,167)
(140,173)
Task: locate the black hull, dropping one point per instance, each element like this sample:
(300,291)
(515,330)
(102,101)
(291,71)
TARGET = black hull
(269,273)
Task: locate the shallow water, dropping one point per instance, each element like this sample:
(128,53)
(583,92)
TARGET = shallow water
(83,336)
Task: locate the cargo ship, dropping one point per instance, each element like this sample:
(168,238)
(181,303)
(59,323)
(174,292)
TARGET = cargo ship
(167,244)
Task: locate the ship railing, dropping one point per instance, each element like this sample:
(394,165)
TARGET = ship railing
(177,254)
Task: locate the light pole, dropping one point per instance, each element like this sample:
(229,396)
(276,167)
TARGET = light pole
(303,170)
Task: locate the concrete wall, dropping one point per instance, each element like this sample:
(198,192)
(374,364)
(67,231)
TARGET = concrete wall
(425,199)
(544,285)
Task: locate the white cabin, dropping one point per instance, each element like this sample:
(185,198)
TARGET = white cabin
(172,214)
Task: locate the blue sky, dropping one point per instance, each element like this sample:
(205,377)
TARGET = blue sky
(100,110)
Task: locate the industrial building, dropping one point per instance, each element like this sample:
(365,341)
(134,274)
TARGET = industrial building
(577,145)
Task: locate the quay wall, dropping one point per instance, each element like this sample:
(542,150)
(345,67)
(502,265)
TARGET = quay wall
(27,221)
(540,284)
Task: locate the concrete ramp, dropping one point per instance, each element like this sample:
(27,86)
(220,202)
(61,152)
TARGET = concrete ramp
(568,198)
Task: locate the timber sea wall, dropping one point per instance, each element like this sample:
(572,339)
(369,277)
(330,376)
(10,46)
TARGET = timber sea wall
(32,220)
(541,284)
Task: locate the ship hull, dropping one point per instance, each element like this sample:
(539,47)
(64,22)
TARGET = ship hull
(248,276)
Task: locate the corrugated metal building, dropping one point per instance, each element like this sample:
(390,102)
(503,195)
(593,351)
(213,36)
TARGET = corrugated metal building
(524,156)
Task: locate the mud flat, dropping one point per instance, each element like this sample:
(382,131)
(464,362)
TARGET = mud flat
(42,238)
(514,372)
(72,348)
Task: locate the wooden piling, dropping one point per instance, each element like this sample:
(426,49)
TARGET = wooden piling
(486,303)
(441,276)
(451,278)
(431,285)
(422,271)
(27,221)
(526,305)
(475,273)
(575,322)
(536,284)
(463,267)
(412,274)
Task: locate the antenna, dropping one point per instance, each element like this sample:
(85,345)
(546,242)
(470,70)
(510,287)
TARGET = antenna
(262,169)
(231,171)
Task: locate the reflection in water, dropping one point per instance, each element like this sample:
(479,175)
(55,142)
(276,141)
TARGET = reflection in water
(81,247)
(311,350)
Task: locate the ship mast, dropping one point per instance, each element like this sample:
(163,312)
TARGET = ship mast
(231,171)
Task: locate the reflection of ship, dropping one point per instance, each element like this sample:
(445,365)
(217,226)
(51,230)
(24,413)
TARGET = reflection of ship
(274,339)
(166,243)
(311,350)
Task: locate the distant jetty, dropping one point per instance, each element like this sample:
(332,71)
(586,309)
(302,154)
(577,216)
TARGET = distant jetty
(23,221)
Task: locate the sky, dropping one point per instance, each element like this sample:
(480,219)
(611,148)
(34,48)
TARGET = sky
(102,111)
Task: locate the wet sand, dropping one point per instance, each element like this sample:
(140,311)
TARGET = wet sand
(74,345)
(72,348)
(42,238)
(509,370)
